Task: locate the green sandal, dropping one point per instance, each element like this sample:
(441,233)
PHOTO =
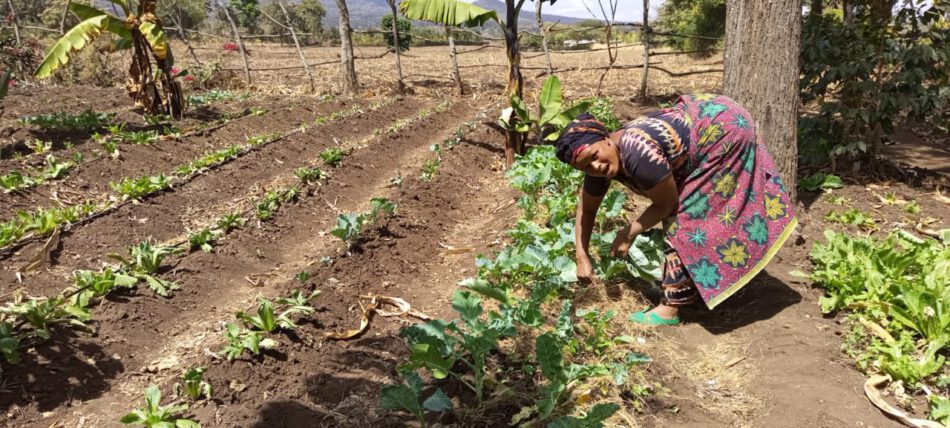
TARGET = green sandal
(652,319)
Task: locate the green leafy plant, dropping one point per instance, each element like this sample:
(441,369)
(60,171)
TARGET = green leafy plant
(820,181)
(39,146)
(229,222)
(899,284)
(204,239)
(309,175)
(853,217)
(593,418)
(602,109)
(136,188)
(408,396)
(551,119)
(87,120)
(349,226)
(194,384)
(90,284)
(429,168)
(265,208)
(332,156)
(39,315)
(267,318)
(241,339)
(154,415)
(144,262)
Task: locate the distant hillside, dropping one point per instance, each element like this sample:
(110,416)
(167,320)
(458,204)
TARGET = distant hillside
(367,13)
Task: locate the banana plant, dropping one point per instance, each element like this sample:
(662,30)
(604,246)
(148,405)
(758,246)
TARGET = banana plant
(550,120)
(152,86)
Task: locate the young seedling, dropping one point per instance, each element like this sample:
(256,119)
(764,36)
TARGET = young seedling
(40,314)
(9,343)
(144,262)
(257,111)
(136,188)
(154,415)
(332,156)
(241,339)
(194,384)
(429,169)
(302,276)
(397,180)
(88,120)
(229,222)
(309,176)
(39,146)
(408,396)
(110,147)
(204,239)
(267,319)
(90,285)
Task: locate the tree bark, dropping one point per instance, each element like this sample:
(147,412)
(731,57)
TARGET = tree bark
(293,34)
(16,22)
(238,39)
(455,63)
(347,66)
(645,36)
(817,8)
(395,29)
(514,141)
(544,36)
(762,73)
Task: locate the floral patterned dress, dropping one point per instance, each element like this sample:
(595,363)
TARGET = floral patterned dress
(734,213)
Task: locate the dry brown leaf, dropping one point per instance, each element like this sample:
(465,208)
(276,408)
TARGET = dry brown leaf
(373,307)
(42,257)
(874,394)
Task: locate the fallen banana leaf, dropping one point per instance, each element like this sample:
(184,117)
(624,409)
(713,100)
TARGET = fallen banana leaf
(874,394)
(373,306)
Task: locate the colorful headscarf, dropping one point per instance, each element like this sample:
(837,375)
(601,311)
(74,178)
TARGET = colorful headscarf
(582,132)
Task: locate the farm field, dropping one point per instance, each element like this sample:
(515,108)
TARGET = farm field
(283,167)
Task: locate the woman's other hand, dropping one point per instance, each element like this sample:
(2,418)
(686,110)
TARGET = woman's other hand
(585,272)
(622,243)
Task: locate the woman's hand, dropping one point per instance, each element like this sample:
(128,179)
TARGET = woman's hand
(622,242)
(585,272)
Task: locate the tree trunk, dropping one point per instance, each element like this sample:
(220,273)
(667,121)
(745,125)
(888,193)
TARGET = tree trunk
(544,36)
(847,9)
(762,73)
(817,8)
(392,5)
(16,23)
(293,34)
(455,62)
(514,141)
(239,40)
(645,38)
(347,67)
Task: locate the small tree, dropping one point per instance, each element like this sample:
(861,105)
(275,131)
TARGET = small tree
(396,32)
(457,13)
(450,14)
(153,89)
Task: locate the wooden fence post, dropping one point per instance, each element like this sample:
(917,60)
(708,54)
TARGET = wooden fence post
(645,38)
(237,37)
(16,22)
(293,34)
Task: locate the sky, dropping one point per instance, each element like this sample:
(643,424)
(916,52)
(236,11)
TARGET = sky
(627,10)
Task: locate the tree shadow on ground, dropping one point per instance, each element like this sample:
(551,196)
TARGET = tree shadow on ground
(760,300)
(63,369)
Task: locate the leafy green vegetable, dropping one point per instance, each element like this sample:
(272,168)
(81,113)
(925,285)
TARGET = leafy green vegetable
(154,415)
(820,181)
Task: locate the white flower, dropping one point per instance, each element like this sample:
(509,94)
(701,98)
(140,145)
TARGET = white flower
(929,312)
